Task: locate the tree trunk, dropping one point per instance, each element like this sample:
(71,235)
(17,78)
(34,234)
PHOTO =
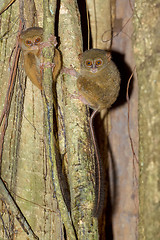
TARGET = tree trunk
(146,49)
(80,155)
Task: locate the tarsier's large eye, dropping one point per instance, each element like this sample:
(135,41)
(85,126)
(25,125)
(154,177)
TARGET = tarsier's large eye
(98,62)
(88,63)
(37,40)
(28,42)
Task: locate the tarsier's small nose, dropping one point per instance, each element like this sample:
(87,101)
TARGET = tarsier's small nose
(94,69)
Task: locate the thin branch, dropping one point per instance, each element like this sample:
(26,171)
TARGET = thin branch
(5,5)
(6,197)
(128,103)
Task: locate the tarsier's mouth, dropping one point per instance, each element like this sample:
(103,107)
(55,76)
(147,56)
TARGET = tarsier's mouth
(94,70)
(35,47)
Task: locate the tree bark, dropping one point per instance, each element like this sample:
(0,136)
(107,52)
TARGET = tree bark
(146,50)
(79,150)
(25,167)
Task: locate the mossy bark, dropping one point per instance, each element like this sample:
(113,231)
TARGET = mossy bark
(25,168)
(146,49)
(79,150)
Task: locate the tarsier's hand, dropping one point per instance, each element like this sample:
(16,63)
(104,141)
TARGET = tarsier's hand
(52,41)
(71,71)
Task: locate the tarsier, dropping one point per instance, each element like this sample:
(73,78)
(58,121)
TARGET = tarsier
(99,80)
(31,43)
(98,86)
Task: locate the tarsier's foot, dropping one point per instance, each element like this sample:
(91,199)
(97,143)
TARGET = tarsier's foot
(77,96)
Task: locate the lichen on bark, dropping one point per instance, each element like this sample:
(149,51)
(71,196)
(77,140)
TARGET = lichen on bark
(147,58)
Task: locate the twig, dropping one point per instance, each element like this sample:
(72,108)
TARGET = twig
(8,199)
(128,103)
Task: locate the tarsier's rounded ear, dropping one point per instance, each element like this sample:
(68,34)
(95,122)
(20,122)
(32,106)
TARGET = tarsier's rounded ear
(108,54)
